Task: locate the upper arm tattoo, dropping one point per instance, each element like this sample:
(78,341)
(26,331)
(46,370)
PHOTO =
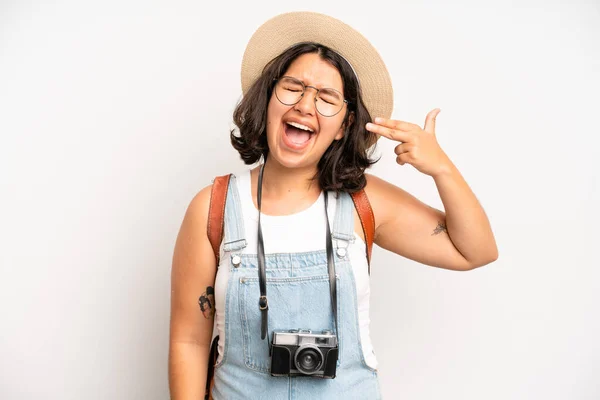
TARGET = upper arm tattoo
(207,302)
(441,227)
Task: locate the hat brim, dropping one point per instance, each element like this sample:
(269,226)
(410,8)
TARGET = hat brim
(283,31)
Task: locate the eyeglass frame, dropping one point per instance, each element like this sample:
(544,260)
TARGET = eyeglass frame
(304,92)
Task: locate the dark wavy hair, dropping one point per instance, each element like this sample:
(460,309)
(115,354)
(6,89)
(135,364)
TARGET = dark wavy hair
(342,166)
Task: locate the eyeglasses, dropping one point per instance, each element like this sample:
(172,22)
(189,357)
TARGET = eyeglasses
(289,91)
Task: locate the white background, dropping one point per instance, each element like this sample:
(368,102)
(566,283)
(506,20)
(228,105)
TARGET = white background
(113,115)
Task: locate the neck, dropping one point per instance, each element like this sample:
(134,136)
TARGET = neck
(279,181)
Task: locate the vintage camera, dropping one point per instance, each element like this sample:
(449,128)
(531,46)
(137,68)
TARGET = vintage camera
(301,352)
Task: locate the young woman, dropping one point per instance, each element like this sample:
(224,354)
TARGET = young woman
(291,291)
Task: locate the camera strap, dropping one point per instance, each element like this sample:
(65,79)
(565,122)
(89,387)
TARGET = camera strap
(263,304)
(331,269)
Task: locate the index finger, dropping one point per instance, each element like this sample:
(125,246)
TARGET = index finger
(389,133)
(395,124)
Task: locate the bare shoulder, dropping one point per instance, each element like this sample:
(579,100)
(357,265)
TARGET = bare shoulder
(378,187)
(388,200)
(198,209)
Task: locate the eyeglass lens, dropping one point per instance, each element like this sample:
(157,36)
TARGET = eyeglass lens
(289,91)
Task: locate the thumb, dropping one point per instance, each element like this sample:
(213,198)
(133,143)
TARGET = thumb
(430,121)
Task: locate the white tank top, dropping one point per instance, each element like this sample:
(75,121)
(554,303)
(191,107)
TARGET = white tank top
(296,233)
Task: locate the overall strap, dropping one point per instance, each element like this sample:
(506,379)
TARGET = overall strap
(343,225)
(367,220)
(234,237)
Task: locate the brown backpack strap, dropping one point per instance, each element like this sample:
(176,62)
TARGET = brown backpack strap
(216,212)
(367,220)
(216,220)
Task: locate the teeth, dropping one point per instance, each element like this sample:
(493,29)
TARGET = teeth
(300,126)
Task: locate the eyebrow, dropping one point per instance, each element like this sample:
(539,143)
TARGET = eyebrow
(322,87)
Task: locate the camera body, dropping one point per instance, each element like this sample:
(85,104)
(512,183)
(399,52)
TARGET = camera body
(300,352)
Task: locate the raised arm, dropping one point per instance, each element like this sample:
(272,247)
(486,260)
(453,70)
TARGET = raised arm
(459,239)
(192,280)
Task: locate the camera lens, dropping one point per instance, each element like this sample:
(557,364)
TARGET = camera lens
(308,359)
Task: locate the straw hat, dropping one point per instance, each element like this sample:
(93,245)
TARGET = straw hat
(285,30)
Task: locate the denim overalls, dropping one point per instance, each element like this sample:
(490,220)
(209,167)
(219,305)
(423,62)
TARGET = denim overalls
(299,298)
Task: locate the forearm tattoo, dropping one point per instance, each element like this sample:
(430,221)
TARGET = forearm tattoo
(441,227)
(207,302)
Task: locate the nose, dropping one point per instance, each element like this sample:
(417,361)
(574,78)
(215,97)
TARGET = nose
(307,103)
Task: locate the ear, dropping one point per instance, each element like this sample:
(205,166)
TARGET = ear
(345,126)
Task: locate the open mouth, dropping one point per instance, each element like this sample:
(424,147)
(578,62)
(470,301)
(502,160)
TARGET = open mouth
(297,133)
